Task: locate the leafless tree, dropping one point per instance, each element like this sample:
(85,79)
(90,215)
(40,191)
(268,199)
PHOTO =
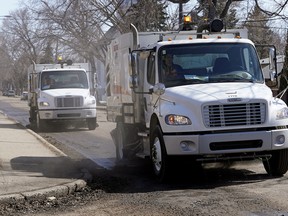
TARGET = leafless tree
(20,36)
(277,9)
(212,13)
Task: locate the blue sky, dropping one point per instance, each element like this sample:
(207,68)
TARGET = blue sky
(7,6)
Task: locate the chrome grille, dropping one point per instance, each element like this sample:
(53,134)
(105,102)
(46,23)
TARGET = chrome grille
(69,101)
(234,114)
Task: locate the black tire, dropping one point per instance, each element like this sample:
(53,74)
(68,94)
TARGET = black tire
(120,141)
(126,141)
(277,165)
(158,155)
(91,123)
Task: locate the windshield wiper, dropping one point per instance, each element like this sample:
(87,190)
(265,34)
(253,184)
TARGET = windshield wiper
(230,80)
(191,81)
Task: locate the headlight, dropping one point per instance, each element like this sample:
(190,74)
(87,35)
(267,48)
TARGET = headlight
(91,101)
(44,104)
(282,113)
(177,120)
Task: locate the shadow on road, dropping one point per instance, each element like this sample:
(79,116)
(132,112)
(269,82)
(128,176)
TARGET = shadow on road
(136,177)
(50,167)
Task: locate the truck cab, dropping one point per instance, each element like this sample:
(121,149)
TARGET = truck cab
(210,103)
(60,95)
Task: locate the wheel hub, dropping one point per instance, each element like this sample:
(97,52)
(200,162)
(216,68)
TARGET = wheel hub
(156,155)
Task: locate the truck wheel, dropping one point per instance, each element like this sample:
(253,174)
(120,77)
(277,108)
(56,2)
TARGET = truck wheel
(120,140)
(126,141)
(277,165)
(92,123)
(159,156)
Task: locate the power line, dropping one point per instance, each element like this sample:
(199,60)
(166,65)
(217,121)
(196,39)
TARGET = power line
(267,27)
(264,20)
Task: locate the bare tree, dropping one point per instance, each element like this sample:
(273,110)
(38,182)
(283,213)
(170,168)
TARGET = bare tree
(6,63)
(23,46)
(210,12)
(73,25)
(277,9)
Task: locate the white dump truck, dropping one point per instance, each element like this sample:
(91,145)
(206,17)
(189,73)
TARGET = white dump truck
(209,104)
(60,94)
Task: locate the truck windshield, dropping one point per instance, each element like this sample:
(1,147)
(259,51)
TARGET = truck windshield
(209,63)
(63,79)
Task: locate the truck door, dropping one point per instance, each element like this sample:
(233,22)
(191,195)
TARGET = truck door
(150,81)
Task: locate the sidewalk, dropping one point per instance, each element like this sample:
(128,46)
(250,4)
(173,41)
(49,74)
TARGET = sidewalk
(31,168)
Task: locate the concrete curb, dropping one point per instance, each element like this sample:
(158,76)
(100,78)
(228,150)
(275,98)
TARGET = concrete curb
(46,193)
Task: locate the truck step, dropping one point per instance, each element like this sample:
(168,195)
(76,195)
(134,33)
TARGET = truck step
(143,134)
(142,155)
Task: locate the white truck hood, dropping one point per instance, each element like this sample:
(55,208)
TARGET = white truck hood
(49,96)
(190,100)
(65,92)
(220,92)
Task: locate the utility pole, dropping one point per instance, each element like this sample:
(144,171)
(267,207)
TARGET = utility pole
(180,12)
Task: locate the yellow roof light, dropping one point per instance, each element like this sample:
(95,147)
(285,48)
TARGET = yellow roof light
(187,19)
(187,23)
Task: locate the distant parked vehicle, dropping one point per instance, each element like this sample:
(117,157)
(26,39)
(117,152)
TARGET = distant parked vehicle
(11,93)
(24,95)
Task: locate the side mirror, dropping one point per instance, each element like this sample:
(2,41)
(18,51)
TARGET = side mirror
(272,75)
(272,63)
(133,81)
(272,57)
(144,54)
(159,89)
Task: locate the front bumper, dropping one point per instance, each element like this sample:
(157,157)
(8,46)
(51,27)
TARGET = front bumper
(67,114)
(226,143)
